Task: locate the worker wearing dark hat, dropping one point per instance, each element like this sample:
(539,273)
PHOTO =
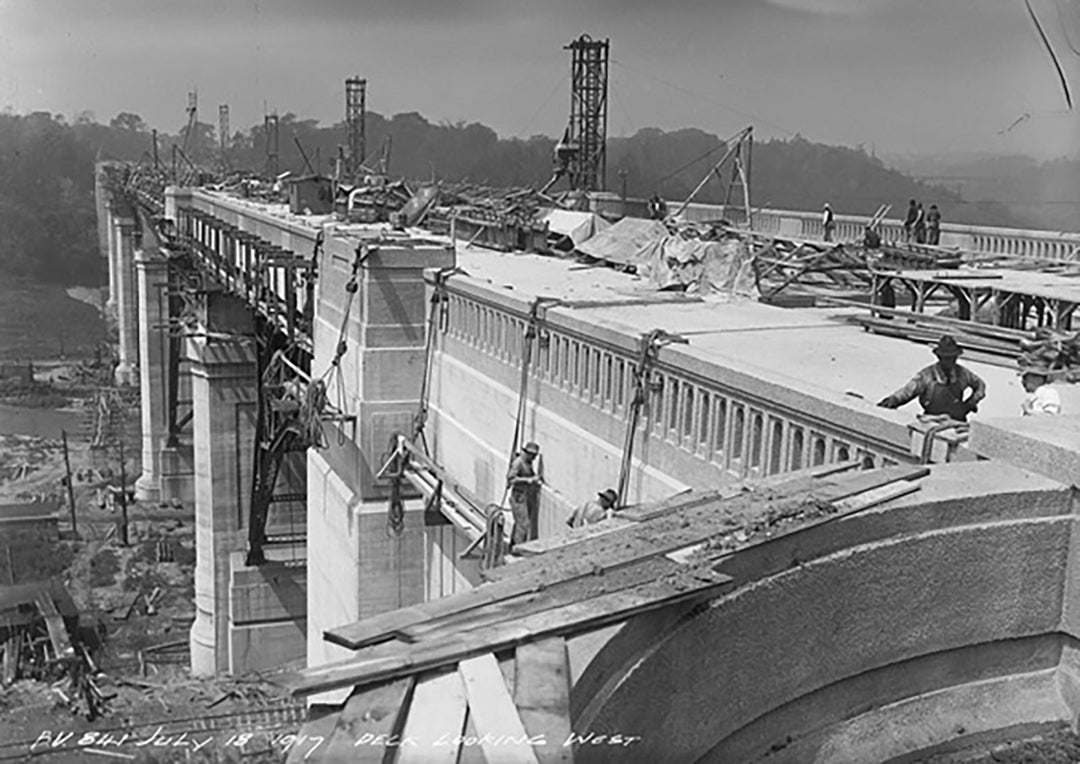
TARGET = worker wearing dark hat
(523,480)
(940,388)
(601,508)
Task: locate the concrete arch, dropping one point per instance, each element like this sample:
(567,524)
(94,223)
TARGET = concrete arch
(941,620)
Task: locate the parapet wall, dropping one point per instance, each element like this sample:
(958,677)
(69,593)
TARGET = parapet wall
(932,621)
(706,424)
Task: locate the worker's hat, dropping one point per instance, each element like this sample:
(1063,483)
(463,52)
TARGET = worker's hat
(947,347)
(610,495)
(1042,371)
(531,448)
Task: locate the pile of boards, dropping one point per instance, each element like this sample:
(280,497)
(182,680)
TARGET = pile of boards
(493,659)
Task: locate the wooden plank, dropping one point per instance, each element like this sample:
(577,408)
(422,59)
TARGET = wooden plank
(578,617)
(680,500)
(383,627)
(502,734)
(571,536)
(437,714)
(558,595)
(58,635)
(542,695)
(866,481)
(12,650)
(875,496)
(369,713)
(682,528)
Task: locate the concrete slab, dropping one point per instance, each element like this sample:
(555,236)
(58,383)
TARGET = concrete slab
(809,349)
(1048,445)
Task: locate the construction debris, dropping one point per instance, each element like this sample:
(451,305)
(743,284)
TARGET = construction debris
(1055,353)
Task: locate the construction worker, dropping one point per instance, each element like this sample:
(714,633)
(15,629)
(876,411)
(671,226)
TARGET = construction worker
(909,221)
(920,224)
(523,479)
(940,388)
(1041,397)
(657,207)
(933,225)
(828,222)
(601,508)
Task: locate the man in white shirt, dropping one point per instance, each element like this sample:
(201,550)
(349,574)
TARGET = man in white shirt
(1041,397)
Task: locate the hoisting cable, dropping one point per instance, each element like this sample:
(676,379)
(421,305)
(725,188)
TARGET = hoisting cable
(532,334)
(439,301)
(649,351)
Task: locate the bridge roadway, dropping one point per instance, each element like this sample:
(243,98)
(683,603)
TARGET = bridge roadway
(757,391)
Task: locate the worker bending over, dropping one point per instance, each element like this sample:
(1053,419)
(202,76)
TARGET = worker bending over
(523,481)
(940,388)
(601,508)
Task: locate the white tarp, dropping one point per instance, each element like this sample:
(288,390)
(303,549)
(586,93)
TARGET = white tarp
(579,227)
(671,261)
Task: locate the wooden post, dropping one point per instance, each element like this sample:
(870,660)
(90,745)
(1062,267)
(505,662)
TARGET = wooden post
(70,485)
(123,499)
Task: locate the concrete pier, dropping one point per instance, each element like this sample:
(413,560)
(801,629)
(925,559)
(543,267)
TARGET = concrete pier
(151,269)
(224,391)
(355,564)
(124,232)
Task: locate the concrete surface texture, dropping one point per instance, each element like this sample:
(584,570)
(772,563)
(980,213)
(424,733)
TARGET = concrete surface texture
(929,620)
(1048,445)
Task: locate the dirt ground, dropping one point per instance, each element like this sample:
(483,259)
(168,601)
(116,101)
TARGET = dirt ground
(140,594)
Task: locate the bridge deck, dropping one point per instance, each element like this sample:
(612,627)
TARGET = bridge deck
(806,349)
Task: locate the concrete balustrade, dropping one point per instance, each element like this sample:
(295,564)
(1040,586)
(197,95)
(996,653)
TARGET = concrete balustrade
(704,425)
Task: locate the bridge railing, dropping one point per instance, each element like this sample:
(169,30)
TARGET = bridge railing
(699,413)
(988,240)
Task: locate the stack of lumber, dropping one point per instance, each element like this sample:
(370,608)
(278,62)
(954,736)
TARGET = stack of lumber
(1054,352)
(982,342)
(920,256)
(598,579)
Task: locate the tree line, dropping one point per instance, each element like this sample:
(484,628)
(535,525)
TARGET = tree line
(47,217)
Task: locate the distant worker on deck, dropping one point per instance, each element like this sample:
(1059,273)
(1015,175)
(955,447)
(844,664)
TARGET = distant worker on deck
(871,238)
(940,388)
(909,221)
(920,224)
(601,508)
(523,479)
(933,225)
(657,207)
(828,222)
(1041,397)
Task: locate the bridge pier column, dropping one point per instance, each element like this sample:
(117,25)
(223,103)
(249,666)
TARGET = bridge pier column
(224,393)
(356,568)
(152,271)
(111,244)
(126,300)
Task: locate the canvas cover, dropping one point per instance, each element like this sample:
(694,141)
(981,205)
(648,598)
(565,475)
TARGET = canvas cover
(670,261)
(579,227)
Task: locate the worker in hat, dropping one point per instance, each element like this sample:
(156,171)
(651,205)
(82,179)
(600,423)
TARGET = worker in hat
(600,508)
(828,221)
(1041,397)
(941,388)
(523,481)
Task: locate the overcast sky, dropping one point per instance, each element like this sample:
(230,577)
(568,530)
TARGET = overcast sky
(897,75)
